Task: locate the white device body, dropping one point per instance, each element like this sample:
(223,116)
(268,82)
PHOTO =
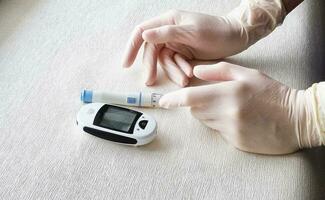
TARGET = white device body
(129,99)
(138,99)
(86,121)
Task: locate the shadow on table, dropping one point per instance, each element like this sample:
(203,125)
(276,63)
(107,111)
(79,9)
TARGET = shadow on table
(317,41)
(316,157)
(315,160)
(155,145)
(13,13)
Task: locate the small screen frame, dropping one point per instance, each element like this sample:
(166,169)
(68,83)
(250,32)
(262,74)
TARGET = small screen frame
(100,114)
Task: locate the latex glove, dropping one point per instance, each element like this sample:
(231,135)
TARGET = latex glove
(177,37)
(250,110)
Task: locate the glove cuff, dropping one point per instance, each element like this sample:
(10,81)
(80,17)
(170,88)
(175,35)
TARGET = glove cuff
(310,126)
(318,102)
(258,18)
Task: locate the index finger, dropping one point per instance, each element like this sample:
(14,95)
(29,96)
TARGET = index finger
(136,39)
(191,96)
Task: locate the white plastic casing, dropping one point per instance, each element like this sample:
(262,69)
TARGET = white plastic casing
(137,98)
(87,114)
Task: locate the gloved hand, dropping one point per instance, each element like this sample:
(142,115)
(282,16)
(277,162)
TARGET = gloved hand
(177,37)
(250,110)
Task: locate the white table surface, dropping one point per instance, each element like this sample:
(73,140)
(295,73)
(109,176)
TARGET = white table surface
(50,50)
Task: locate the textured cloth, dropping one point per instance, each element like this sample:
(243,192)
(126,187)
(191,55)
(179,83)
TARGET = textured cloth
(50,50)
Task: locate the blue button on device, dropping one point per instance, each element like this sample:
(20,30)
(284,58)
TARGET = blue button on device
(86,96)
(131,100)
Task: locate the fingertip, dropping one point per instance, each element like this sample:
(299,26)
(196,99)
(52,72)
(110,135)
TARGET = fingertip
(150,81)
(144,35)
(128,58)
(147,35)
(184,82)
(197,70)
(190,74)
(126,65)
(163,103)
(184,65)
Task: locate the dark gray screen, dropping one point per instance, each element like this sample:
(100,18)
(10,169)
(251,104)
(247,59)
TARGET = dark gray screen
(117,119)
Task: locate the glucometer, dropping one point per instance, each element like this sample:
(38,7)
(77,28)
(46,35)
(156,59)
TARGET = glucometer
(117,124)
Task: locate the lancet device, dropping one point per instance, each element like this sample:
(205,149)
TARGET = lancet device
(138,99)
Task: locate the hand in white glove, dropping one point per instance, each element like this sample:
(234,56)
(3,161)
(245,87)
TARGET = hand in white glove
(177,37)
(249,109)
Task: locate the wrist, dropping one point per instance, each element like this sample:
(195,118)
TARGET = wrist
(258,18)
(309,123)
(317,96)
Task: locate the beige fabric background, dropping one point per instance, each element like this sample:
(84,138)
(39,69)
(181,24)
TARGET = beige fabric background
(50,50)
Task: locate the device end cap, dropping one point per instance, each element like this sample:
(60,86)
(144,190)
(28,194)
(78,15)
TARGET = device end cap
(86,96)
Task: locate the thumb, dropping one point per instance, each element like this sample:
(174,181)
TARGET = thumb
(221,71)
(164,34)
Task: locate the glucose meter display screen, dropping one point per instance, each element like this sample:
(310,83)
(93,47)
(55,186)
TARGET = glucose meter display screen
(117,119)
